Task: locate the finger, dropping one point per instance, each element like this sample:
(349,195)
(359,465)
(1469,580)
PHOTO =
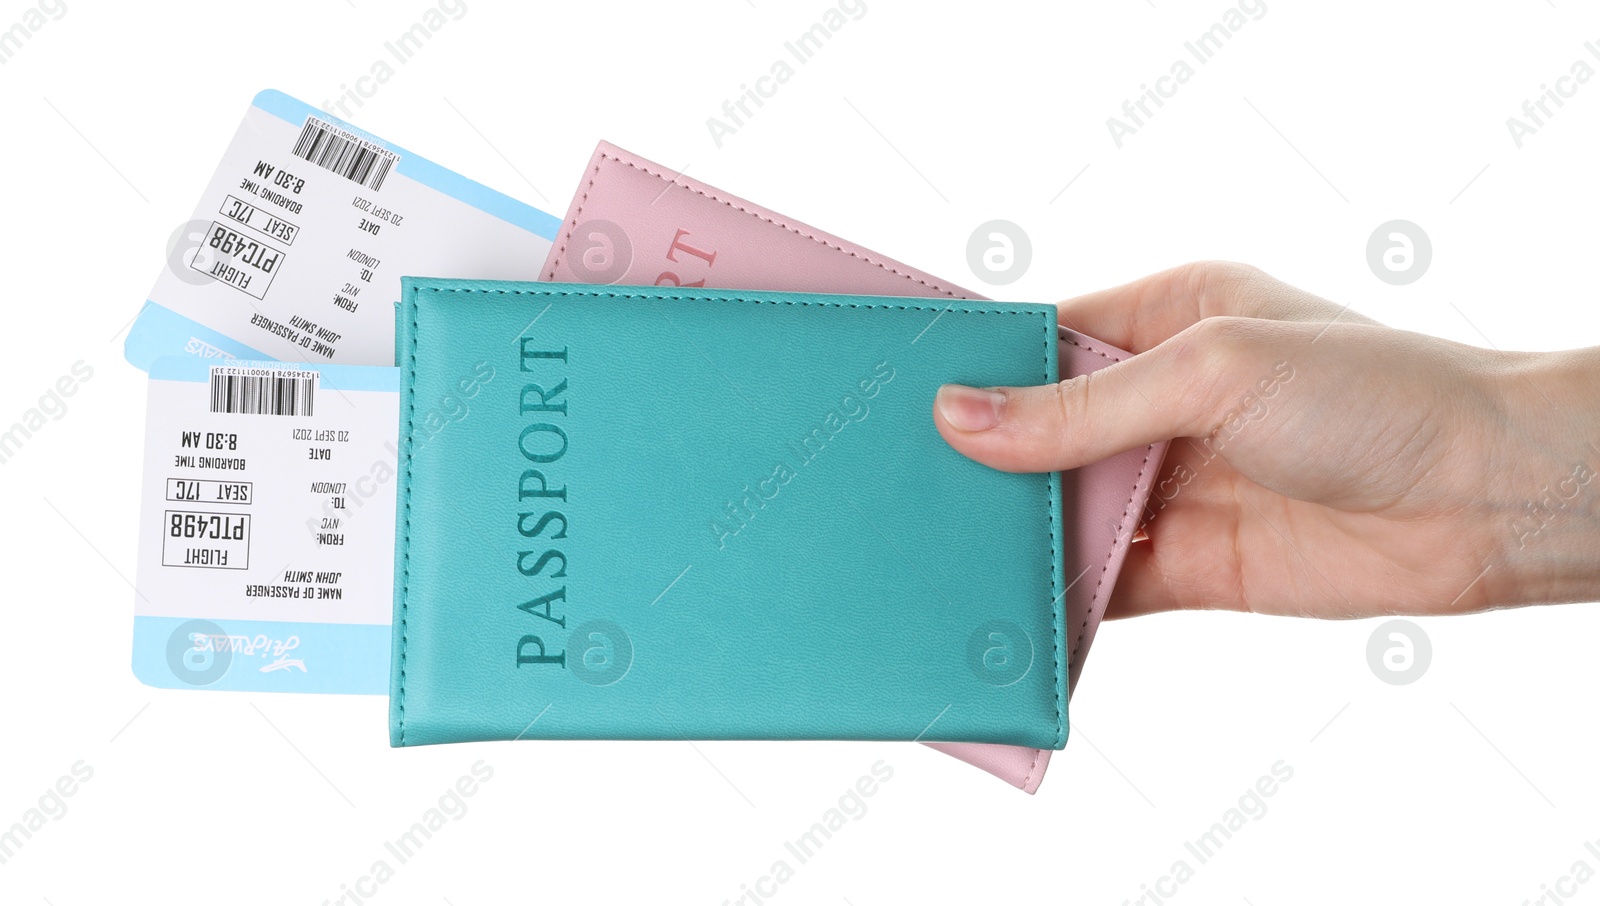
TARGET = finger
(1142,589)
(1139,589)
(1141,315)
(1177,389)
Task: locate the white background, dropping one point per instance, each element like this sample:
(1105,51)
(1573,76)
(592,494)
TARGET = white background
(913,125)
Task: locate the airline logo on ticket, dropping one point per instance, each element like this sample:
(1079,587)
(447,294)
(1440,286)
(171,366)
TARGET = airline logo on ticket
(296,249)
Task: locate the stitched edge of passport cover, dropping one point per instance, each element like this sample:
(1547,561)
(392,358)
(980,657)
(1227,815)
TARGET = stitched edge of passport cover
(821,237)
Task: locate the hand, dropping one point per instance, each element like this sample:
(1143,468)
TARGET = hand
(1325,465)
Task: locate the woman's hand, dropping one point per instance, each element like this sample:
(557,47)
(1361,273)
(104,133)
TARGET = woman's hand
(1325,465)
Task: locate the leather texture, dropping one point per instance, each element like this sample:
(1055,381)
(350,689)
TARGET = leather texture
(758,534)
(635,222)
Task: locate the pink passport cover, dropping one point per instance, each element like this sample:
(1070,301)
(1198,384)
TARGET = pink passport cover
(635,222)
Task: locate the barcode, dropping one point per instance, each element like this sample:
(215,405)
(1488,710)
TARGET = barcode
(334,149)
(271,393)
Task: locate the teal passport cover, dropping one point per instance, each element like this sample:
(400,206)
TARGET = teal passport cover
(673,513)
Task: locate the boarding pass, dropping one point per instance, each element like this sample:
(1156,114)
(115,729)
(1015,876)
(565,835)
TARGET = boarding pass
(296,249)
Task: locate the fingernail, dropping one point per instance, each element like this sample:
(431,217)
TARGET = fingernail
(968,408)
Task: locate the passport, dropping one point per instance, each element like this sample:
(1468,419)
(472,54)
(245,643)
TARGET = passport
(633,221)
(718,514)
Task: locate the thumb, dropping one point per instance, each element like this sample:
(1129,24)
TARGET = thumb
(1167,392)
